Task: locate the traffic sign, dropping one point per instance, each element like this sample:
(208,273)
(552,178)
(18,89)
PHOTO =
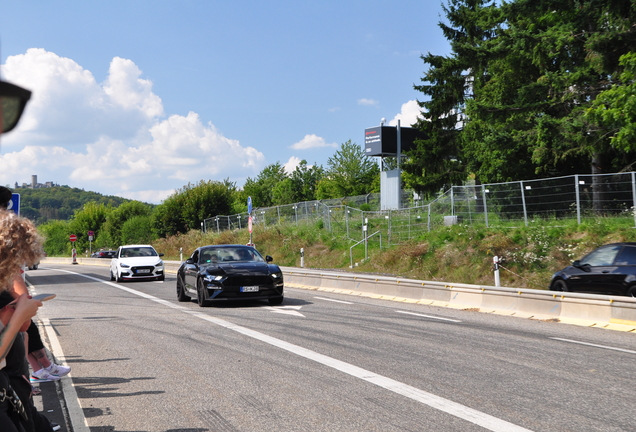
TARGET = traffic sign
(249,205)
(249,224)
(14,204)
(91,233)
(72,237)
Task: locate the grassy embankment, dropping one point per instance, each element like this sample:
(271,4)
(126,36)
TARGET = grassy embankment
(459,254)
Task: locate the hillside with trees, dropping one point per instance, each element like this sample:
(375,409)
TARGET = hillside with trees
(59,202)
(118,221)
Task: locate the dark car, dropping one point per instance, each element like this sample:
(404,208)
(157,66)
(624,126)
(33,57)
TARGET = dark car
(229,272)
(104,254)
(610,269)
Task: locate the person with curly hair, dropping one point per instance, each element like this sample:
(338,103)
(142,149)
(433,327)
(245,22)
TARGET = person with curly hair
(19,243)
(43,369)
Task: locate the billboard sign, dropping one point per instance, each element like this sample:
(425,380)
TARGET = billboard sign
(382,140)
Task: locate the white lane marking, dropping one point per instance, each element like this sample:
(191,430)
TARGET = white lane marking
(594,345)
(332,300)
(428,316)
(286,310)
(73,405)
(453,408)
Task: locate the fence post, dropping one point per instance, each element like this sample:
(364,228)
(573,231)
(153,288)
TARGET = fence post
(428,222)
(578,200)
(452,200)
(495,262)
(523,201)
(634,196)
(483,193)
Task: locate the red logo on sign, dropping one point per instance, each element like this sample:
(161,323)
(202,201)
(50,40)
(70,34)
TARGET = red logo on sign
(73,237)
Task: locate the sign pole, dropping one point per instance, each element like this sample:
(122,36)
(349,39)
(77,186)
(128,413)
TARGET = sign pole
(73,238)
(90,242)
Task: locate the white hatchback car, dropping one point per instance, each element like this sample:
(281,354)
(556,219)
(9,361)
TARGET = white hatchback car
(136,262)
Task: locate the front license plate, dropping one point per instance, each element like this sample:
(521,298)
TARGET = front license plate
(143,271)
(249,289)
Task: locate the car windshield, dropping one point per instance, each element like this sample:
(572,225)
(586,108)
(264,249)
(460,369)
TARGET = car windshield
(134,252)
(601,257)
(240,254)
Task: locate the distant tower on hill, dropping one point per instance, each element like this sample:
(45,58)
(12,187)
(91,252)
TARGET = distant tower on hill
(34,181)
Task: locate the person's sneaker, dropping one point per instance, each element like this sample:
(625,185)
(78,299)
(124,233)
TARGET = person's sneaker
(58,370)
(43,376)
(35,390)
(55,426)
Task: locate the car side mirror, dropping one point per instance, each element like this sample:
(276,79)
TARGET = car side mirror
(584,267)
(189,261)
(268,258)
(161,255)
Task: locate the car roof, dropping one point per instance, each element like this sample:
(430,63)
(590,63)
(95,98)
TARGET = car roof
(139,245)
(225,246)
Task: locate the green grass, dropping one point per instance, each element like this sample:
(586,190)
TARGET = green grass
(459,254)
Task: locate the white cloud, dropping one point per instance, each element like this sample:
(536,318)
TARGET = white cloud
(408,114)
(110,137)
(368,102)
(312,141)
(291,164)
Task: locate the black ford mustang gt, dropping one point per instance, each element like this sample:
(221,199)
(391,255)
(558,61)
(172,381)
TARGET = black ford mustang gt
(229,272)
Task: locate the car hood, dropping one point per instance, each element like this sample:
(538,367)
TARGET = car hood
(140,261)
(242,268)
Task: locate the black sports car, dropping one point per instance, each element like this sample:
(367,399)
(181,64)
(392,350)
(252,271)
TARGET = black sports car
(610,269)
(229,272)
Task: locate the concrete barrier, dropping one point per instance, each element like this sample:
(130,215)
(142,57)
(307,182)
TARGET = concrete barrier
(618,313)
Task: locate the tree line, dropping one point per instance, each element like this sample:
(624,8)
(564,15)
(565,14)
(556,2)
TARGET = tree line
(349,172)
(59,202)
(531,89)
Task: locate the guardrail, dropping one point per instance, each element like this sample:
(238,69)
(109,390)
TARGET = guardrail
(612,312)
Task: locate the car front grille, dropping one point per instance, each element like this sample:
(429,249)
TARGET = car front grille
(135,271)
(247,281)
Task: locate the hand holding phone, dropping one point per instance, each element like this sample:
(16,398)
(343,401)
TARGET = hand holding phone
(44,297)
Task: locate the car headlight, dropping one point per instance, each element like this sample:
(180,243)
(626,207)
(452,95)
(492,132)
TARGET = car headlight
(159,264)
(277,275)
(124,265)
(211,278)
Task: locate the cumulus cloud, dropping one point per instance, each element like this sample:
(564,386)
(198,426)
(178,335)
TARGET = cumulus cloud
(111,137)
(408,114)
(368,102)
(291,164)
(311,141)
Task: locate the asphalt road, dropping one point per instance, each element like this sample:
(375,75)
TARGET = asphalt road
(323,362)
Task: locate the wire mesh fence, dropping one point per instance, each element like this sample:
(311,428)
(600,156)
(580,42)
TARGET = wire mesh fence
(579,197)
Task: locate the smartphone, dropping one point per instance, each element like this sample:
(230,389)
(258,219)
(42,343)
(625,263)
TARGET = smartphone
(44,297)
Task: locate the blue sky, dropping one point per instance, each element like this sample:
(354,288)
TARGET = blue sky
(138,98)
